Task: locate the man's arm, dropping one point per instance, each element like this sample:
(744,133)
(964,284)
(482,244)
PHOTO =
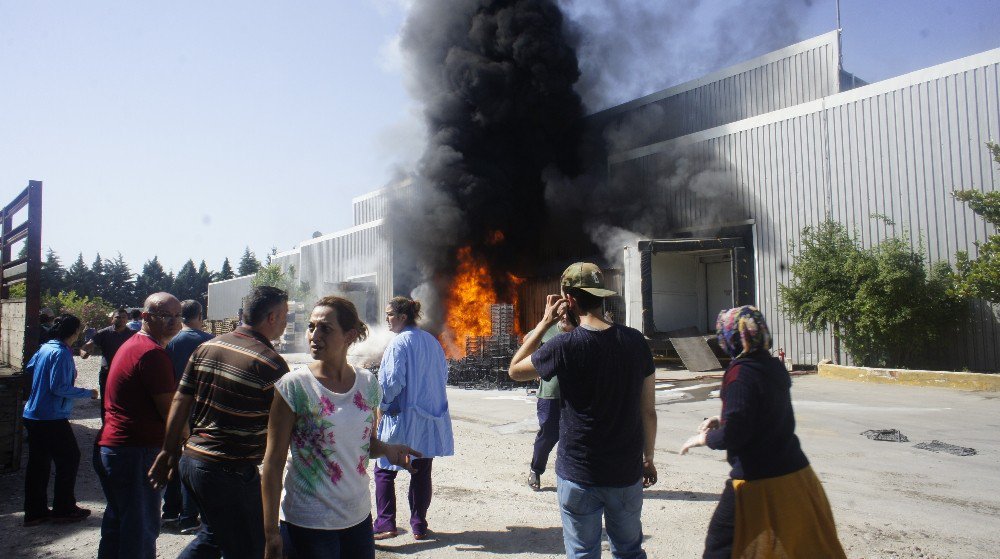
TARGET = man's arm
(177,426)
(647,408)
(521,367)
(87,349)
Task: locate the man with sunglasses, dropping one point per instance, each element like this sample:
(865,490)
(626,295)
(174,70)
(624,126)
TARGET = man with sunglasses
(137,400)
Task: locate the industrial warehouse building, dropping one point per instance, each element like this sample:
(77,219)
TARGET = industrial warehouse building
(788,139)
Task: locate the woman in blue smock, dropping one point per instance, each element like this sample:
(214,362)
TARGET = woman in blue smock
(414,412)
(50,437)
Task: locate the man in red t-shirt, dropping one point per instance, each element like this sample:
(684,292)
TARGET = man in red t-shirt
(139,390)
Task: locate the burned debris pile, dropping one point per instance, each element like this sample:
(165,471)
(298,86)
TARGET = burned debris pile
(487,358)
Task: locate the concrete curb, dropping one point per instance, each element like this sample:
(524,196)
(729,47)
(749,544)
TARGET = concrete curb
(939,379)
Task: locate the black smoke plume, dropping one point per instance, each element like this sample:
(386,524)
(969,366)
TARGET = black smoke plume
(496,78)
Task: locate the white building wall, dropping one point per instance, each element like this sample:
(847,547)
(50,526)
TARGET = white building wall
(225,298)
(896,148)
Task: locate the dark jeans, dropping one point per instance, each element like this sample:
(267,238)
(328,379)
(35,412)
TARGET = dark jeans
(419,497)
(232,518)
(131,521)
(548,433)
(719,541)
(178,502)
(355,542)
(50,441)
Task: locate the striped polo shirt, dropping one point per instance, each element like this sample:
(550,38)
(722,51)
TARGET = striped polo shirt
(232,381)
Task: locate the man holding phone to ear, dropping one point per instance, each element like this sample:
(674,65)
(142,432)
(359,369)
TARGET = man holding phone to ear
(608,421)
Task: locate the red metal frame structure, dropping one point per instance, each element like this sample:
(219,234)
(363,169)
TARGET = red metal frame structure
(28,268)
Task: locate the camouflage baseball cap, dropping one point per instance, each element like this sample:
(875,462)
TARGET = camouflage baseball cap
(587,277)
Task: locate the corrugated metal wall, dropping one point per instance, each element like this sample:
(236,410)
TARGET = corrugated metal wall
(796,74)
(225,298)
(351,254)
(896,148)
(370,207)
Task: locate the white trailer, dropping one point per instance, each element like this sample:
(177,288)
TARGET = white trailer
(677,284)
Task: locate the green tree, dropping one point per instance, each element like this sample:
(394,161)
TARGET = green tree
(78,279)
(204,278)
(980,277)
(824,281)
(52,273)
(152,280)
(903,313)
(226,272)
(882,302)
(98,279)
(274,276)
(248,264)
(186,284)
(120,283)
(90,310)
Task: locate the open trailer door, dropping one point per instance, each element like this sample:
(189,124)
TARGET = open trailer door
(678,284)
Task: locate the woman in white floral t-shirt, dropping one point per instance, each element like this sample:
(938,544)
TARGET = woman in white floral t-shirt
(325,412)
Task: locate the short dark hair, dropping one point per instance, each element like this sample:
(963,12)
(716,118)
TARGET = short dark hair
(587,301)
(64,326)
(407,306)
(347,315)
(136,314)
(261,301)
(190,310)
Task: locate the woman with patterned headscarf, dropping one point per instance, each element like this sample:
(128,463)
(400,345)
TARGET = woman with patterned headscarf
(773,504)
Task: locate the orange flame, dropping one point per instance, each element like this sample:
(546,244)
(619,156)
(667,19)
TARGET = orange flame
(495,238)
(468,302)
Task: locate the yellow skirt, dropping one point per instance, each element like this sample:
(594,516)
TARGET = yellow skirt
(784,517)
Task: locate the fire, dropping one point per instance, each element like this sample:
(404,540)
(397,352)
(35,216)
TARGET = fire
(468,302)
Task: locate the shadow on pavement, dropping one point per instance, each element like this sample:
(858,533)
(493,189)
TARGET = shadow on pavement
(513,540)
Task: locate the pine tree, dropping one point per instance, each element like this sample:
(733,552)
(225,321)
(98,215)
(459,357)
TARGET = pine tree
(98,278)
(78,278)
(248,264)
(52,275)
(226,272)
(204,278)
(186,283)
(152,280)
(120,283)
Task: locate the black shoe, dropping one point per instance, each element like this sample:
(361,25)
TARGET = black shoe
(75,514)
(534,482)
(192,529)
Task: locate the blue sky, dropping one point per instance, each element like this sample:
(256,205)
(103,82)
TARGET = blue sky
(192,129)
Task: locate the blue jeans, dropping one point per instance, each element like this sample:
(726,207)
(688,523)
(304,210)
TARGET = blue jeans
(178,503)
(582,507)
(232,517)
(356,542)
(131,521)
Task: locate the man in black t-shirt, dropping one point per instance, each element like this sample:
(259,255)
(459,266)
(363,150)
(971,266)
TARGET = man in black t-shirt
(107,341)
(607,431)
